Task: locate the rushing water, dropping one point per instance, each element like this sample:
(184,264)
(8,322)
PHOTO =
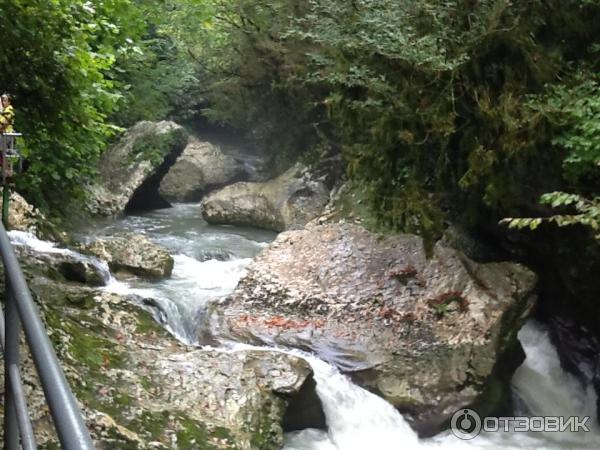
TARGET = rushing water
(209,261)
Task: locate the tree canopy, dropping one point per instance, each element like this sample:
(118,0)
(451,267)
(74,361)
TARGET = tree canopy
(435,106)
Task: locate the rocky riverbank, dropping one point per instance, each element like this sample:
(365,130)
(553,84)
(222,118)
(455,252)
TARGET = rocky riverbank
(140,388)
(430,335)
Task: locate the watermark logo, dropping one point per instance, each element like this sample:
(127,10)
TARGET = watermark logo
(467,424)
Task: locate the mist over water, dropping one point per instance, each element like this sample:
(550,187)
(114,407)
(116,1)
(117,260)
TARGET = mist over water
(209,262)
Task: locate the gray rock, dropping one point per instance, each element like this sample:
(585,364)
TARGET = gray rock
(430,335)
(131,163)
(201,167)
(141,389)
(132,254)
(289,201)
(68,266)
(23,216)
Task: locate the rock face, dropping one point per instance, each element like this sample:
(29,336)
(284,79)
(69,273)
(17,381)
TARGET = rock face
(24,217)
(141,389)
(287,202)
(131,170)
(201,167)
(132,254)
(429,335)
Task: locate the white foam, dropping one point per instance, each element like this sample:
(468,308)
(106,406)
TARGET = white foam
(360,420)
(27,239)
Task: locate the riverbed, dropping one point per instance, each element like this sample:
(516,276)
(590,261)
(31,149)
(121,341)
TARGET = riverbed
(209,262)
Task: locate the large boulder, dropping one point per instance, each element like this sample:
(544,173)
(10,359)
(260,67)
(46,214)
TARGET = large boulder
(131,170)
(201,167)
(141,389)
(430,335)
(289,201)
(132,254)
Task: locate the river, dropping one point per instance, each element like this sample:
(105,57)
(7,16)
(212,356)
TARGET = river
(209,261)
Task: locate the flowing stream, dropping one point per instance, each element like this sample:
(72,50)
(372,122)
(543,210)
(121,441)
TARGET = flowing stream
(209,261)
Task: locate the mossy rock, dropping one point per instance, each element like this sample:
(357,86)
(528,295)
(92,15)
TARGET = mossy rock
(140,388)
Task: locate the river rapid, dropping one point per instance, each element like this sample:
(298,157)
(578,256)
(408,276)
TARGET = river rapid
(209,262)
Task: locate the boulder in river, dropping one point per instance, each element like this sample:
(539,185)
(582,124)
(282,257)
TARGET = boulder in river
(289,201)
(430,335)
(141,389)
(131,170)
(201,167)
(59,264)
(132,254)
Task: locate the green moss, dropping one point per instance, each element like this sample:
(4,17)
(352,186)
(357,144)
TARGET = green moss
(155,148)
(194,435)
(266,434)
(146,323)
(50,446)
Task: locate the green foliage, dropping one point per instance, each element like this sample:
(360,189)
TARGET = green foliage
(162,79)
(587,213)
(576,111)
(435,106)
(56,60)
(154,148)
(579,114)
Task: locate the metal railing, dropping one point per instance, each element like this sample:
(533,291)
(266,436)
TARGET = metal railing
(21,313)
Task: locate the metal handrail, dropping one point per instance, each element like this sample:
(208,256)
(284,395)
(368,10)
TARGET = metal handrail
(21,312)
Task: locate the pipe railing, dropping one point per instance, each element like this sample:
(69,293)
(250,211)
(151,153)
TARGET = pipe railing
(21,314)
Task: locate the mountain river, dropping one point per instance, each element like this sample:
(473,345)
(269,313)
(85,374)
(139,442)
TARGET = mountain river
(209,261)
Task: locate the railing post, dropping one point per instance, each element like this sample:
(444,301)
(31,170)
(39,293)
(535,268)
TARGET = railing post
(11,358)
(5,192)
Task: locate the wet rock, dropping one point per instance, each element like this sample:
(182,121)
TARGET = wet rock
(579,351)
(131,170)
(201,167)
(64,266)
(141,389)
(132,254)
(289,201)
(428,335)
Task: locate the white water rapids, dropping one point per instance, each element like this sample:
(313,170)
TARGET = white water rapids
(209,261)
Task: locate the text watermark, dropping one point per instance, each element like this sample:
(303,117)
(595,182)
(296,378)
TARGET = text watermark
(467,424)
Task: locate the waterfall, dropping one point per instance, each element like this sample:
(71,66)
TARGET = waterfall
(358,420)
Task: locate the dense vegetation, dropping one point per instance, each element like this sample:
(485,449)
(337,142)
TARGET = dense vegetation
(456,110)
